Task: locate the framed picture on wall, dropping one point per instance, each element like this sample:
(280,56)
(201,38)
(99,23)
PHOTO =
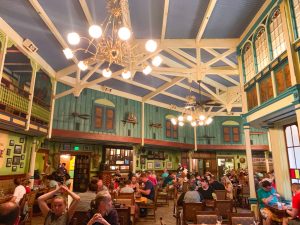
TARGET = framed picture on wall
(18,149)
(8,162)
(157,164)
(8,151)
(16,160)
(21,164)
(21,140)
(22,157)
(169,165)
(149,165)
(11,143)
(14,169)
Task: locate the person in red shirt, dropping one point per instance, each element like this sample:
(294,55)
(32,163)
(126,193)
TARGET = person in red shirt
(295,211)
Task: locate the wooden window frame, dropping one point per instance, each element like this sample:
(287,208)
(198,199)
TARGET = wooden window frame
(103,127)
(265,91)
(231,134)
(286,77)
(173,130)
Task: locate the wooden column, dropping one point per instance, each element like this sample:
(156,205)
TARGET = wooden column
(143,123)
(32,161)
(54,83)
(3,50)
(280,162)
(249,161)
(31,91)
(267,161)
(195,139)
(134,158)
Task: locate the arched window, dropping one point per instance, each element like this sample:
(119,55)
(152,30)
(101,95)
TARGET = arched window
(248,61)
(261,49)
(296,5)
(104,115)
(276,32)
(231,132)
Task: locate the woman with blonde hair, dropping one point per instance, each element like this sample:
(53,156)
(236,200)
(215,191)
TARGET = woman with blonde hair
(58,214)
(228,187)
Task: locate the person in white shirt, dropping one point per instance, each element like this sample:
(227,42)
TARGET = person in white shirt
(127,188)
(19,192)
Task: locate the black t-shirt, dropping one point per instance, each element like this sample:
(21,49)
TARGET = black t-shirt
(217,185)
(149,186)
(207,194)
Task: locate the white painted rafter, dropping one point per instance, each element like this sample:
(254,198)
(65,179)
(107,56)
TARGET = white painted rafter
(165,19)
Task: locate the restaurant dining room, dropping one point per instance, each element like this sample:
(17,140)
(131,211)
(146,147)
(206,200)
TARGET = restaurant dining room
(160,112)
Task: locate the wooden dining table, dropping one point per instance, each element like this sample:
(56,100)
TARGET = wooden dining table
(279,212)
(141,200)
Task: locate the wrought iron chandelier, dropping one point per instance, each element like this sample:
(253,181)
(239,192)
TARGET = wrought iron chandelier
(194,113)
(110,42)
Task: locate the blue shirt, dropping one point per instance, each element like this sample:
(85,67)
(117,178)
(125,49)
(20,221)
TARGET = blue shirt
(149,186)
(261,194)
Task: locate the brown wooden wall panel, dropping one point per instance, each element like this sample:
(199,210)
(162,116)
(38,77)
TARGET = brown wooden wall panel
(252,98)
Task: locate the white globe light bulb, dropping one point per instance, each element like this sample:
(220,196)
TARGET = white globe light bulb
(147,70)
(124,33)
(193,123)
(189,118)
(180,118)
(126,74)
(208,121)
(106,72)
(156,61)
(151,46)
(95,31)
(82,66)
(201,123)
(181,123)
(73,38)
(173,121)
(68,53)
(201,117)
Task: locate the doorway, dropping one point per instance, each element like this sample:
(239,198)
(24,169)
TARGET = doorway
(225,164)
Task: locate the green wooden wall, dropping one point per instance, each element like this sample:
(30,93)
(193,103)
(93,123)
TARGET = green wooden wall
(66,105)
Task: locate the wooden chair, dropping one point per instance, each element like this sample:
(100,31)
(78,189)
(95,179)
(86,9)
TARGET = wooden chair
(224,208)
(124,215)
(79,218)
(189,212)
(126,196)
(151,206)
(242,218)
(221,194)
(163,195)
(26,207)
(245,194)
(127,202)
(207,217)
(185,186)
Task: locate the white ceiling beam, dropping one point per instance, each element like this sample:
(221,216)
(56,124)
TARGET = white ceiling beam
(228,78)
(40,11)
(212,93)
(179,57)
(165,19)
(209,10)
(184,54)
(86,12)
(220,56)
(221,70)
(18,40)
(162,88)
(91,72)
(224,59)
(191,43)
(214,83)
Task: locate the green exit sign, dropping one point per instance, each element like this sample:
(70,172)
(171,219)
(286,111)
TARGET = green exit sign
(76,148)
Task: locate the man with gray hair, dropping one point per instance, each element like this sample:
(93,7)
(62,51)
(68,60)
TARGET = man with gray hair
(103,212)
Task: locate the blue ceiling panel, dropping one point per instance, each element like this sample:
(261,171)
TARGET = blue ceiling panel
(220,80)
(184,19)
(166,54)
(236,109)
(180,91)
(148,80)
(216,108)
(94,76)
(125,87)
(29,25)
(98,10)
(232,57)
(235,16)
(219,63)
(146,18)
(237,78)
(221,50)
(205,56)
(169,100)
(189,51)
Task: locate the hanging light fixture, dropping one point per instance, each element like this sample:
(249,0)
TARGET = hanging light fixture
(110,42)
(194,113)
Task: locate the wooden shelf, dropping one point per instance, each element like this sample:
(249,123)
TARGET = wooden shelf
(155,125)
(129,121)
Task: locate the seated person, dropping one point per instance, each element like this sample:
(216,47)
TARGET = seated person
(19,192)
(127,187)
(295,211)
(171,179)
(88,196)
(152,177)
(103,211)
(190,196)
(9,213)
(205,190)
(216,185)
(148,191)
(58,214)
(101,186)
(134,183)
(266,195)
